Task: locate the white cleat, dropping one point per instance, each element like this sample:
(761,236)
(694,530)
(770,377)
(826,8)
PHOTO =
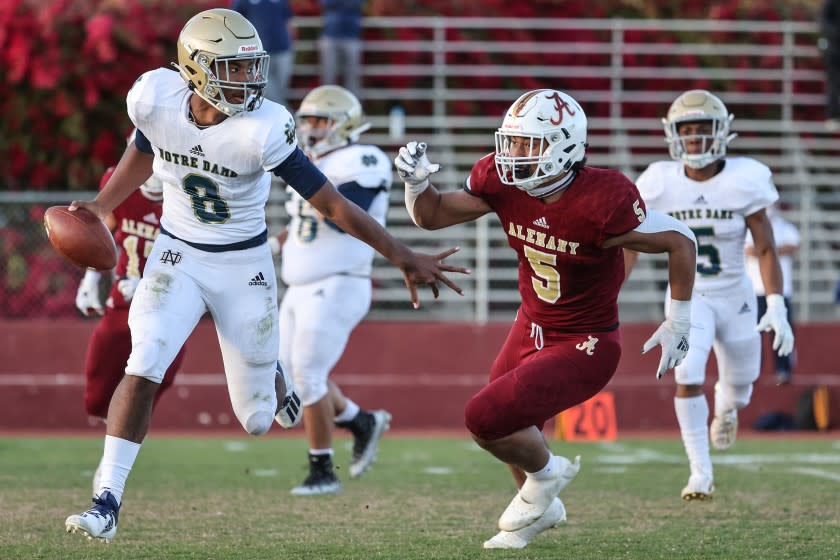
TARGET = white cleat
(289,411)
(698,488)
(553,516)
(99,522)
(535,496)
(365,445)
(723,430)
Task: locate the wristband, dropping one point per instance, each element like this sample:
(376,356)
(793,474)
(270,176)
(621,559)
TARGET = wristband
(679,311)
(775,301)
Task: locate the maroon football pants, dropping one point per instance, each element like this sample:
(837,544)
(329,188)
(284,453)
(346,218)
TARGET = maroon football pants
(528,386)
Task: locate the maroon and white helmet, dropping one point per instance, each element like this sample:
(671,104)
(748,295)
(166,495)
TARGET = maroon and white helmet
(152,188)
(554,124)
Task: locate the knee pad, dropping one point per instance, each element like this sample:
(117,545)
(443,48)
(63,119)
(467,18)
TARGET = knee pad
(481,420)
(310,388)
(258,423)
(150,357)
(692,371)
(733,396)
(253,394)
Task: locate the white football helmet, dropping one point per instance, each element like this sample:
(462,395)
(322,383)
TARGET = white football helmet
(693,106)
(212,47)
(344,119)
(152,189)
(554,126)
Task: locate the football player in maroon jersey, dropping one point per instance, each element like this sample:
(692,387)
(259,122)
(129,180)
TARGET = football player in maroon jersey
(135,224)
(568,223)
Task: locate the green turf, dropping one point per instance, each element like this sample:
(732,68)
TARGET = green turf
(424,499)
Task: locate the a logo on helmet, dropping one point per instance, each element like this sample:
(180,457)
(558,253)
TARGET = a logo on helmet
(248,48)
(559,105)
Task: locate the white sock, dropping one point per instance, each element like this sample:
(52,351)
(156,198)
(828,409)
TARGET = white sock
(117,459)
(693,417)
(549,470)
(350,411)
(327,451)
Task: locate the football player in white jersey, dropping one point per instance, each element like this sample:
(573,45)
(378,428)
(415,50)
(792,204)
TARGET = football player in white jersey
(207,133)
(719,198)
(329,285)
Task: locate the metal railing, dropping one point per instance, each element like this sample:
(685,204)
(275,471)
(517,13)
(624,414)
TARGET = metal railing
(455,77)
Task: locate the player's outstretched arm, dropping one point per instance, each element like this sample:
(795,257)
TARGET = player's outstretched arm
(428,207)
(418,269)
(775,318)
(134,168)
(660,233)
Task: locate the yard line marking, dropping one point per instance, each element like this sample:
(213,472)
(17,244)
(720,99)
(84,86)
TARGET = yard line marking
(610,470)
(264,472)
(644,455)
(437,470)
(819,473)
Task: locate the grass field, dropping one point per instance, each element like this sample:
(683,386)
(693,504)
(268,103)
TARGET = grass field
(426,498)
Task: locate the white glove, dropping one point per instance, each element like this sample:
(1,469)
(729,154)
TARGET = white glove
(414,167)
(776,319)
(127,287)
(672,335)
(87,296)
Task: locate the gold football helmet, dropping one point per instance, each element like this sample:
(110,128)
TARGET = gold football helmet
(693,106)
(221,58)
(344,119)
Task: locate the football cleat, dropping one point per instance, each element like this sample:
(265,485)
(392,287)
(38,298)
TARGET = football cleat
(366,441)
(321,479)
(100,521)
(535,496)
(553,516)
(723,430)
(290,412)
(698,488)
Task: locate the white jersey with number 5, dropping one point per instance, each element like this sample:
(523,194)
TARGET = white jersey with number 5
(215,180)
(715,210)
(316,248)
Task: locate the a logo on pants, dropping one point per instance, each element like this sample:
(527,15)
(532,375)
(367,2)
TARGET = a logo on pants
(588,346)
(258,280)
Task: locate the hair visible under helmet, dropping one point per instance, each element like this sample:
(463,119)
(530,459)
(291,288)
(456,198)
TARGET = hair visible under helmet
(209,44)
(698,105)
(554,124)
(344,119)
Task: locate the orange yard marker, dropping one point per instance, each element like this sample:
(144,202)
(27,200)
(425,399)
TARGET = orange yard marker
(592,420)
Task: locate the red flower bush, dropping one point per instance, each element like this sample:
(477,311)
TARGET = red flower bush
(69,65)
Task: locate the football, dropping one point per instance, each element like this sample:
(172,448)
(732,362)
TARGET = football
(81,237)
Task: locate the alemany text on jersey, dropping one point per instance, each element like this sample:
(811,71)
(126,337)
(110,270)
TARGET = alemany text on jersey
(542,239)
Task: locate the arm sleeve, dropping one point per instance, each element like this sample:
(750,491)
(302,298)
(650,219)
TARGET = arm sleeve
(142,143)
(300,174)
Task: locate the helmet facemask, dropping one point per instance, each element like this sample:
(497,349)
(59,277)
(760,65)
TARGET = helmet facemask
(221,58)
(343,114)
(697,106)
(222,89)
(547,131)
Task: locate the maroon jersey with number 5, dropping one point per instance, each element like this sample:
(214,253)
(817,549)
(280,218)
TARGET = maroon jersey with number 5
(567,282)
